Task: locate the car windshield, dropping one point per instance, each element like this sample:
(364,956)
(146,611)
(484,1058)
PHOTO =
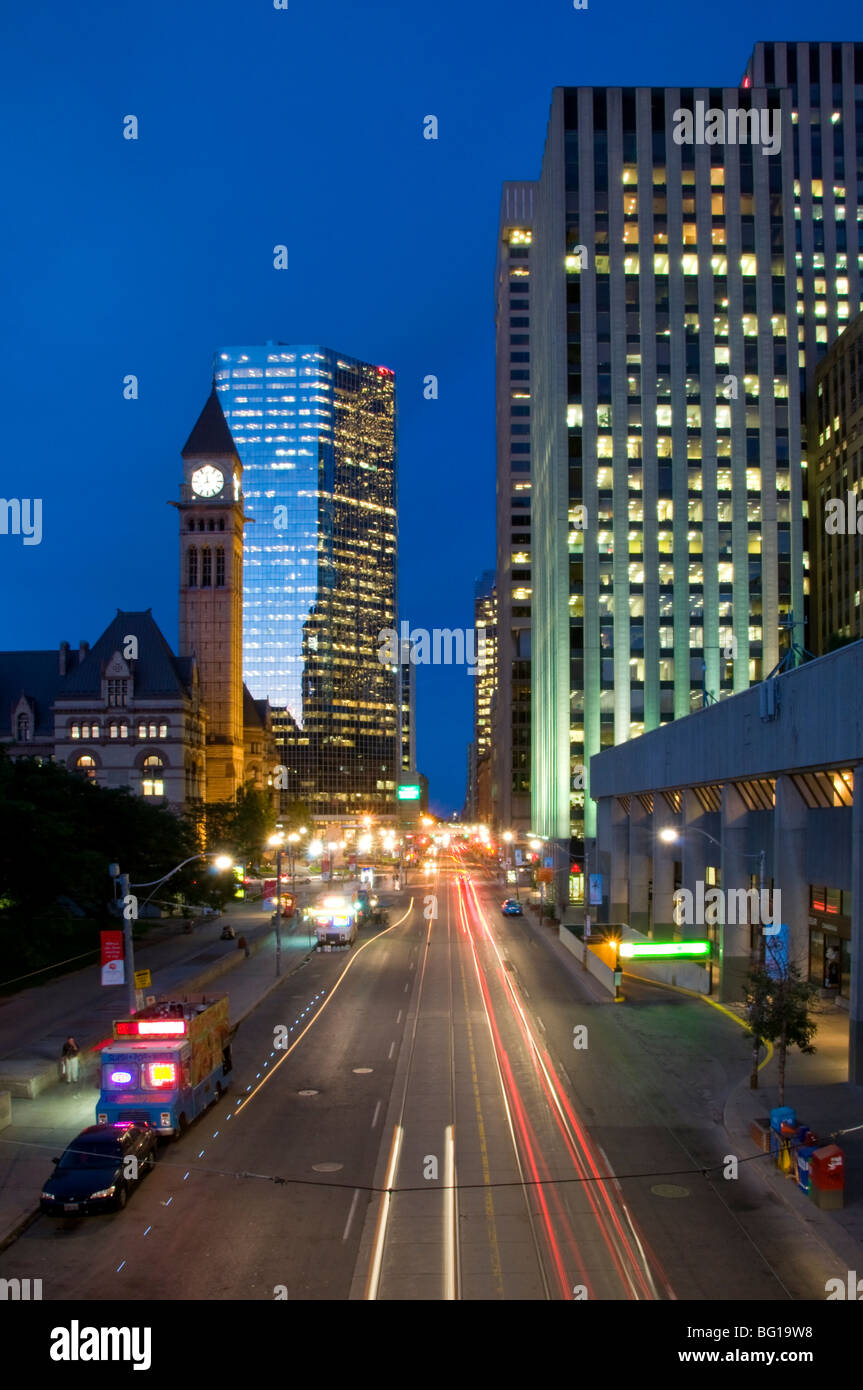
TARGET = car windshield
(92,1155)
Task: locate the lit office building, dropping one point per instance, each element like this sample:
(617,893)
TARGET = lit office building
(666,446)
(691,252)
(315,431)
(511,739)
(835,456)
(484,695)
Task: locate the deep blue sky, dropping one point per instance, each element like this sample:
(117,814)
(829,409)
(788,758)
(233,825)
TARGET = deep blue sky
(258,127)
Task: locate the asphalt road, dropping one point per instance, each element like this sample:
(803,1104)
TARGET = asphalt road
(437,1061)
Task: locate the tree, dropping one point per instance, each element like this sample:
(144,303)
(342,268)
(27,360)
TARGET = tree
(241,828)
(777,1011)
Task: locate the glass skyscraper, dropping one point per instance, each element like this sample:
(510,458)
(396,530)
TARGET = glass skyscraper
(680,291)
(315,431)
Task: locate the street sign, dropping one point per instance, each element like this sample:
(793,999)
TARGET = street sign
(408,792)
(142,979)
(548,862)
(545,875)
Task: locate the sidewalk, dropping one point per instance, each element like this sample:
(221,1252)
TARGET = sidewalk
(825,1101)
(42,1127)
(815,1086)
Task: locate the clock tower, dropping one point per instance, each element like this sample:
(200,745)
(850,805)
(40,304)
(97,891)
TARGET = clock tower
(211,590)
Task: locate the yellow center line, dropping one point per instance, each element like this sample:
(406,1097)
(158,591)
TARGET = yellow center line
(298,1039)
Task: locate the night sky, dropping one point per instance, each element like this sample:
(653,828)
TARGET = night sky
(304,127)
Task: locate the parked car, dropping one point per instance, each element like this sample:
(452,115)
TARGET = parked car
(91,1175)
(511,907)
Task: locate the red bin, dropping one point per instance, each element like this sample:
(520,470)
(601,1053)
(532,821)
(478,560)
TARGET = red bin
(827,1168)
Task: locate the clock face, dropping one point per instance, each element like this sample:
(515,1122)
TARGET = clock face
(207,481)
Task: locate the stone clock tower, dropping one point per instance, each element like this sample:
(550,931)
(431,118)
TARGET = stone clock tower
(211,590)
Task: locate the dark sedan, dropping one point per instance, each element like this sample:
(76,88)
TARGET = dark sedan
(99,1169)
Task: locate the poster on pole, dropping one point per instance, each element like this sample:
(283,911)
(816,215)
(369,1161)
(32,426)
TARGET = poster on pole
(776,952)
(595,890)
(113,971)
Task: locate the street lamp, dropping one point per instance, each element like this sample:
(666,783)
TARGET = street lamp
(669,834)
(222,861)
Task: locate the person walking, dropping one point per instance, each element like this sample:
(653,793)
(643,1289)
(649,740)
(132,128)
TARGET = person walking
(243,945)
(70,1061)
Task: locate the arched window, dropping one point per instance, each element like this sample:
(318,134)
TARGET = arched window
(190,525)
(116,730)
(193,567)
(86,766)
(211,525)
(23,728)
(153,783)
(221,523)
(206,567)
(220,567)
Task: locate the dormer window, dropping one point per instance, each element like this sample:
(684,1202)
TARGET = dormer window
(118,692)
(23,728)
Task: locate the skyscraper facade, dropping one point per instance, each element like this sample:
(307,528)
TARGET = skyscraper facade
(835,455)
(694,249)
(315,430)
(510,767)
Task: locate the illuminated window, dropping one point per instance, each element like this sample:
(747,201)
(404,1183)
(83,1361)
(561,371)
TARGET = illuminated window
(87,767)
(153,780)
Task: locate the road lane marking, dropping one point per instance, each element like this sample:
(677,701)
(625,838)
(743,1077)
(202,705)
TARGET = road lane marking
(374,1278)
(377,1112)
(298,1039)
(399,1016)
(391,1051)
(346,1231)
(491,1224)
(450,1216)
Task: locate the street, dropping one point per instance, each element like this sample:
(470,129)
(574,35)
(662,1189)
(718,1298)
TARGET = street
(436,1061)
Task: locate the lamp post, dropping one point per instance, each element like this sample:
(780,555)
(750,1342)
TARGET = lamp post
(223,861)
(277,841)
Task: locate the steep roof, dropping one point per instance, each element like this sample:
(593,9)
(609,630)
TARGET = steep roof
(157,670)
(36,675)
(211,436)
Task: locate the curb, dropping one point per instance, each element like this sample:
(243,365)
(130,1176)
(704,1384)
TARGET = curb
(21,1223)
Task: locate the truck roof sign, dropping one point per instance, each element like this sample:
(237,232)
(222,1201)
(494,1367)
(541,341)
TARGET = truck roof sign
(151,1028)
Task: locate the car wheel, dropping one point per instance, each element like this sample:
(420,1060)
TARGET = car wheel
(121,1196)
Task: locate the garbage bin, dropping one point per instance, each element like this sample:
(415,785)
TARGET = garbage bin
(827,1177)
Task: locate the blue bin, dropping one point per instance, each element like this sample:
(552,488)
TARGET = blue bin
(804,1153)
(782,1114)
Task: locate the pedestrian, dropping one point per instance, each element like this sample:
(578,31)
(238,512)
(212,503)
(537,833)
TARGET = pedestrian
(243,945)
(69,1062)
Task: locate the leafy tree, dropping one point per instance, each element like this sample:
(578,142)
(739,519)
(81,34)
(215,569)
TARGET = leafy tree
(777,1011)
(241,828)
(58,834)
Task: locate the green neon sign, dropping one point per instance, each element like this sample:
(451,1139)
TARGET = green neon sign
(662,950)
(408,793)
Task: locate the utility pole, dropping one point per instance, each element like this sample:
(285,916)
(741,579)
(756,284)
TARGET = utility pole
(277,916)
(130,913)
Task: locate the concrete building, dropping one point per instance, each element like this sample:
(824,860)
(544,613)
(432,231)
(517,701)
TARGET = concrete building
(835,458)
(510,752)
(774,772)
(684,279)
